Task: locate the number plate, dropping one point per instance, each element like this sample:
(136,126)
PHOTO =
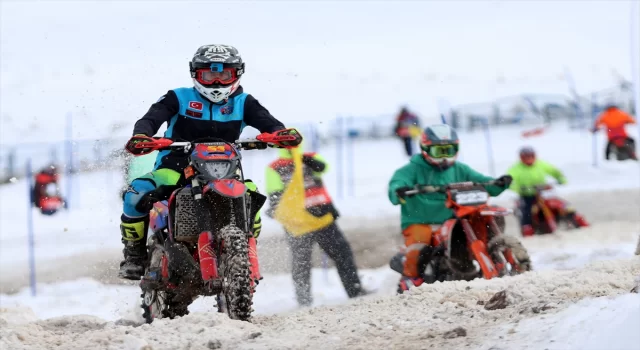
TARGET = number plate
(474,197)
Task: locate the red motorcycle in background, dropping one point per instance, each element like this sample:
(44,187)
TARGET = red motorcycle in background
(45,193)
(550,211)
(202,244)
(472,244)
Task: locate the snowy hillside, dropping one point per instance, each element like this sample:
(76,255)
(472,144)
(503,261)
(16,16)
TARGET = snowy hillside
(107,69)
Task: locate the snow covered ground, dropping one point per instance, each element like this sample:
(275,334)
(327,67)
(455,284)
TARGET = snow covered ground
(575,309)
(71,243)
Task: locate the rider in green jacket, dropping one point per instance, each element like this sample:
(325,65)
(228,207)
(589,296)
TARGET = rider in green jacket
(528,173)
(436,165)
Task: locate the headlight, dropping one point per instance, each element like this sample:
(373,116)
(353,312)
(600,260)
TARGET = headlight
(216,170)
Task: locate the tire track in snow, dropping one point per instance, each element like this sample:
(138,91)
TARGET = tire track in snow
(423,318)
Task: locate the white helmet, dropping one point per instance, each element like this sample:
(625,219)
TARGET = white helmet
(216,71)
(440,145)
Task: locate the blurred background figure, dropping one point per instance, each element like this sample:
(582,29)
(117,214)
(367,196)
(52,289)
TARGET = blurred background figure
(407,128)
(618,141)
(529,178)
(300,202)
(46,192)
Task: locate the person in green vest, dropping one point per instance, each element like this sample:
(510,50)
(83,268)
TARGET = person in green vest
(421,214)
(330,238)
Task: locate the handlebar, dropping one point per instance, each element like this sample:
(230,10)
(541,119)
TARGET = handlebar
(537,187)
(262,141)
(418,189)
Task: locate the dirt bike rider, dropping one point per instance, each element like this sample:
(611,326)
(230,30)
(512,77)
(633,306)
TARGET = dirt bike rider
(422,214)
(614,119)
(528,173)
(46,176)
(216,106)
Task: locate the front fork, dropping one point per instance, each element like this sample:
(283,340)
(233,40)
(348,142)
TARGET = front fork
(505,255)
(479,251)
(207,256)
(254,265)
(548,215)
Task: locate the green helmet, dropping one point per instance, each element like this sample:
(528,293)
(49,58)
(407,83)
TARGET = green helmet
(440,145)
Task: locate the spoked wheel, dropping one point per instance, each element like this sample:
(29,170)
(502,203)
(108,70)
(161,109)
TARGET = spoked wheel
(156,303)
(502,246)
(234,264)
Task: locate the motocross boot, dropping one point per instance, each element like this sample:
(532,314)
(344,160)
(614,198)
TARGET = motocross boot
(408,282)
(134,234)
(527,231)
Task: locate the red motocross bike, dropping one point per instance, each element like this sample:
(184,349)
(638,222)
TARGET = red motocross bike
(202,244)
(550,210)
(471,244)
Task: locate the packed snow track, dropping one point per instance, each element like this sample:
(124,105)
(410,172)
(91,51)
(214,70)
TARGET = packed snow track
(443,316)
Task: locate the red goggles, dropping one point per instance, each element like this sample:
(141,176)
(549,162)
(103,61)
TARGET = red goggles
(207,76)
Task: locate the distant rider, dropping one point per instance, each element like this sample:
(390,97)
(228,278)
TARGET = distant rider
(614,119)
(46,178)
(422,214)
(528,173)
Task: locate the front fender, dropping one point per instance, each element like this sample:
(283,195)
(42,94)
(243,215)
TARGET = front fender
(231,188)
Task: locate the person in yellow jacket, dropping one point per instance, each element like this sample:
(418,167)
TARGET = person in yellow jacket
(528,173)
(318,203)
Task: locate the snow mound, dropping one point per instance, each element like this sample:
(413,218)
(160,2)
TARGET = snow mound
(443,315)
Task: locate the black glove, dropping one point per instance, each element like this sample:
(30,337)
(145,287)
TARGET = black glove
(503,181)
(135,139)
(274,200)
(313,163)
(402,193)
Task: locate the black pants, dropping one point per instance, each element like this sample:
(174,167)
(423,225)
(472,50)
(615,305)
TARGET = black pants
(335,245)
(608,149)
(526,204)
(408,145)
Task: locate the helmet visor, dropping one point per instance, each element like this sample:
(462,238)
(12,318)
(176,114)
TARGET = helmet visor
(207,76)
(441,151)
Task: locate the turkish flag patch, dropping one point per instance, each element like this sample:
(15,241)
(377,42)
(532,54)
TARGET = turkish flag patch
(195,105)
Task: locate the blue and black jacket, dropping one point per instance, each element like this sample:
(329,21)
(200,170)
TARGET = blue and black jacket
(190,116)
